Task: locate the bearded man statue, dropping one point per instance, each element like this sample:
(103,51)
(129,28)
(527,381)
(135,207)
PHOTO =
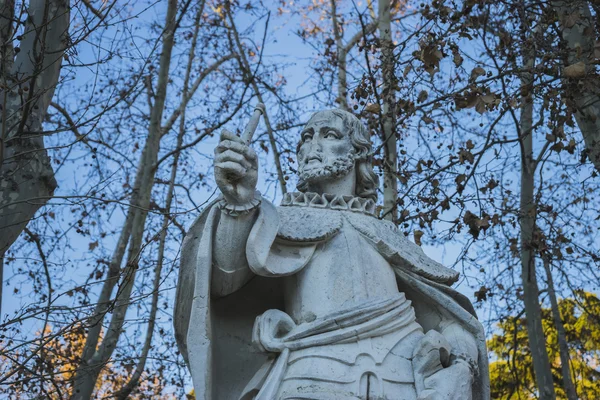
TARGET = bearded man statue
(318,298)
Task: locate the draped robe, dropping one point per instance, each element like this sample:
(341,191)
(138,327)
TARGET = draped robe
(215,313)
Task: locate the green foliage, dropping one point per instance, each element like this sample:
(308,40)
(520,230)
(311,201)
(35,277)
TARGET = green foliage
(512,372)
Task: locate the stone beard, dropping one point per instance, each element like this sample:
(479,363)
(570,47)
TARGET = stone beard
(318,298)
(337,167)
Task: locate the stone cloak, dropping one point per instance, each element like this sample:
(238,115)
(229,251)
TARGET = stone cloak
(206,326)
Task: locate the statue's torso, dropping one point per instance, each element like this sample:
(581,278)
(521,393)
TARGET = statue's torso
(344,271)
(347,272)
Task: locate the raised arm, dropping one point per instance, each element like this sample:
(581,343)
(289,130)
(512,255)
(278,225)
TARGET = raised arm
(236,174)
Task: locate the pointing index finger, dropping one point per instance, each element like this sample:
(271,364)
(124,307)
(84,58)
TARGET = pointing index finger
(226,135)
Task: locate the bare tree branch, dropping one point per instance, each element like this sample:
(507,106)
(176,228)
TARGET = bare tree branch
(245,66)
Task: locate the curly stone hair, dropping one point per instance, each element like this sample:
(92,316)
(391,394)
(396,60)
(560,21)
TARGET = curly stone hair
(367,181)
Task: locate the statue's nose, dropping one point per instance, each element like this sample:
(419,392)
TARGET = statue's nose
(313,151)
(315,145)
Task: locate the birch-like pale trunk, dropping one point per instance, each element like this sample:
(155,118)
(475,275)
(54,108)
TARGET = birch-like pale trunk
(580,39)
(390,162)
(124,392)
(533,311)
(342,51)
(245,67)
(27,85)
(563,346)
(342,81)
(90,367)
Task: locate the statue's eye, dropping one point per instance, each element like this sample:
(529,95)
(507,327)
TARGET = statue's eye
(332,135)
(306,136)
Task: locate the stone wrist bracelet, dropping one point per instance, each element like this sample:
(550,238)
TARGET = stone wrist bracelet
(236,210)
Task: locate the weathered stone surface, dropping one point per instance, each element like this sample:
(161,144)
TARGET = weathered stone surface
(317,298)
(296,225)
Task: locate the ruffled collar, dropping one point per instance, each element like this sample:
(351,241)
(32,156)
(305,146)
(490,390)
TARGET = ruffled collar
(329,201)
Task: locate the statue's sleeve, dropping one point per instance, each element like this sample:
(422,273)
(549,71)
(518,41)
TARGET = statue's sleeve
(239,241)
(204,324)
(267,253)
(230,269)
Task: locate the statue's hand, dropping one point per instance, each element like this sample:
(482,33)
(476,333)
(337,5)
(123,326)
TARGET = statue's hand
(236,169)
(436,378)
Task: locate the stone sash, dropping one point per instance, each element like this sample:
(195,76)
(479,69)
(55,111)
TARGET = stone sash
(276,332)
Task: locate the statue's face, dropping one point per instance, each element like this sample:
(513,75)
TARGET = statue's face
(326,151)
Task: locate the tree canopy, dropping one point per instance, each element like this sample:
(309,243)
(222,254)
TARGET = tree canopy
(512,368)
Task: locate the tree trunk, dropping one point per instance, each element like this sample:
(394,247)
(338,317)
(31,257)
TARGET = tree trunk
(342,93)
(533,311)
(565,362)
(342,54)
(26,175)
(390,181)
(124,392)
(90,368)
(580,40)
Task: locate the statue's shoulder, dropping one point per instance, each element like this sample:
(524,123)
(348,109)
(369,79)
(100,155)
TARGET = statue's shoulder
(378,230)
(298,223)
(311,223)
(313,217)
(393,244)
(306,224)
(372,225)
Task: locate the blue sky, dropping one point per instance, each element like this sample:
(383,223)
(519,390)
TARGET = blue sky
(283,45)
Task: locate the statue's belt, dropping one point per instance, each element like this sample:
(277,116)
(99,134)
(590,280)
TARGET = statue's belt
(373,319)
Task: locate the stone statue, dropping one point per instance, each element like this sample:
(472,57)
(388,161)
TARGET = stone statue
(318,298)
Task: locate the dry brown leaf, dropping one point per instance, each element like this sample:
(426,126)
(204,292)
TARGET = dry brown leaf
(457,58)
(418,235)
(576,70)
(477,72)
(373,108)
(480,106)
(488,98)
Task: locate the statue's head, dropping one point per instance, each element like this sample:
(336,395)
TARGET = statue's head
(333,144)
